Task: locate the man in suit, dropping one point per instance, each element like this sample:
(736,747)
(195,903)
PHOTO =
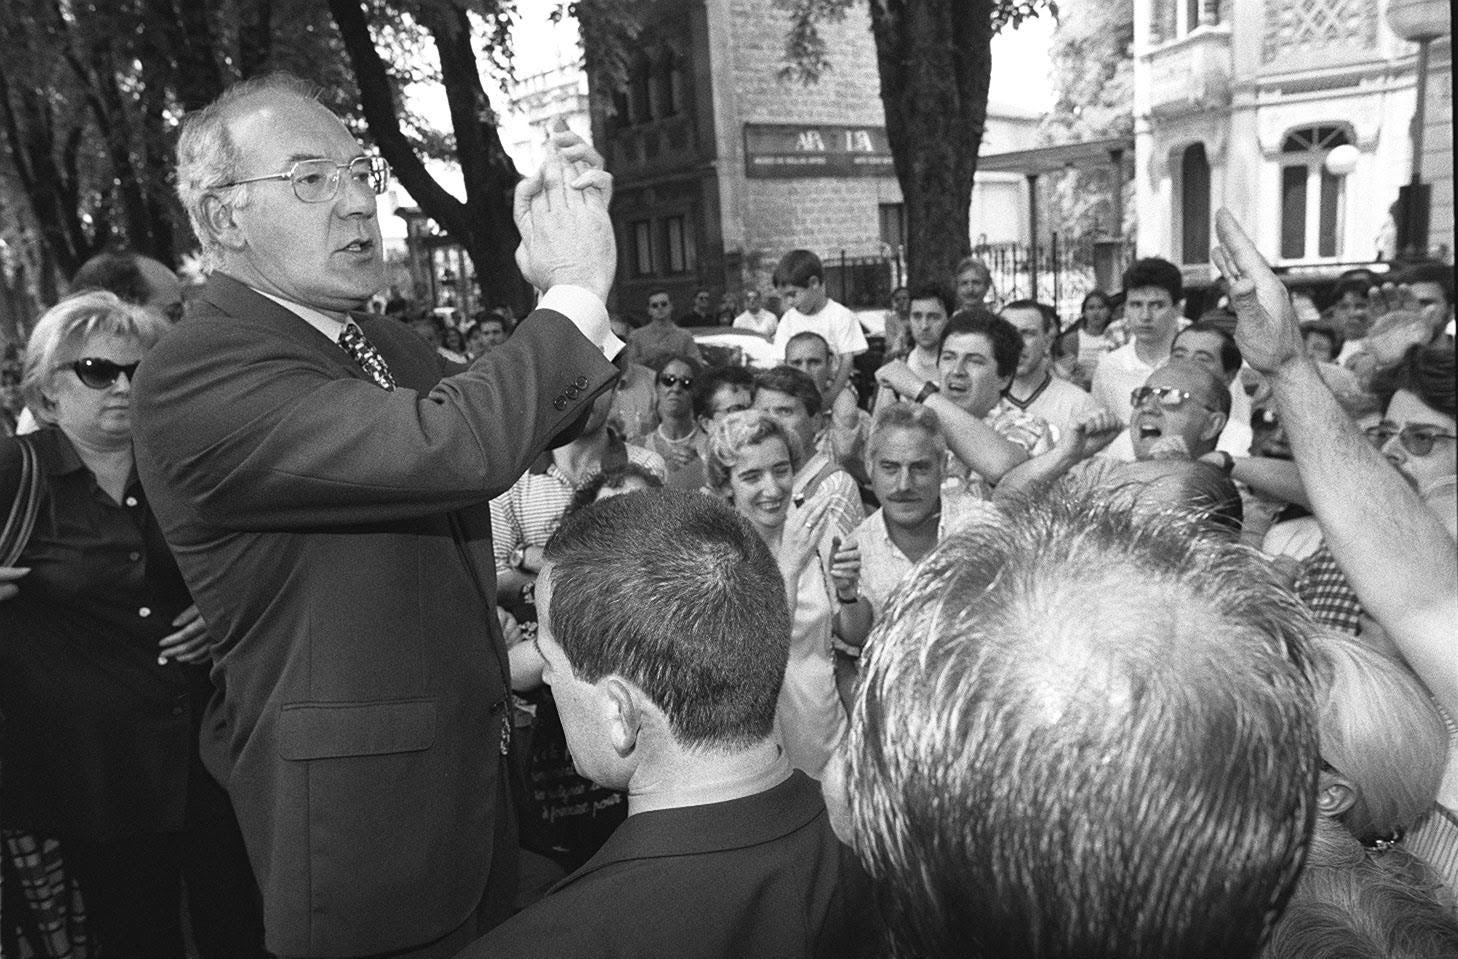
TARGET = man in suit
(726,850)
(323,478)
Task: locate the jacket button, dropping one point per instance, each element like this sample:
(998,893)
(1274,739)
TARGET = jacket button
(573,392)
(580,382)
(560,403)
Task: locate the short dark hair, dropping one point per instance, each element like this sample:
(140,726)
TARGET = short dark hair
(1430,272)
(711,380)
(1230,358)
(1082,732)
(1327,329)
(678,594)
(798,268)
(1006,341)
(805,336)
(1425,371)
(791,382)
(1050,315)
(973,263)
(933,291)
(1361,287)
(659,362)
(116,273)
(1156,272)
(612,478)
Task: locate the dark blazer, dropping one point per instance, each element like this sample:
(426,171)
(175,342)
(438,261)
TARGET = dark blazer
(337,539)
(762,876)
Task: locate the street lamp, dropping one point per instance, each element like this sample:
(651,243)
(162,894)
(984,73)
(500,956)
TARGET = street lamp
(1420,22)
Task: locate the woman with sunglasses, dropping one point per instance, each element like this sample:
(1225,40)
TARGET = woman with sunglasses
(752,461)
(677,437)
(104,664)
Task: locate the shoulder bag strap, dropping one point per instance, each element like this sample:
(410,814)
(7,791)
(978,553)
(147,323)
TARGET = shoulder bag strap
(23,512)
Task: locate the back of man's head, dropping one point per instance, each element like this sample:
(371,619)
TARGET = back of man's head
(676,593)
(1084,733)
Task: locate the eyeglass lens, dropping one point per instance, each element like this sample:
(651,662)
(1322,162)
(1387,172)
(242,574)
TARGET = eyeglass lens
(1164,395)
(1417,440)
(316,181)
(100,374)
(669,380)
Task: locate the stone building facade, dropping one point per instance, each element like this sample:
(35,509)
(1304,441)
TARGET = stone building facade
(1294,114)
(721,167)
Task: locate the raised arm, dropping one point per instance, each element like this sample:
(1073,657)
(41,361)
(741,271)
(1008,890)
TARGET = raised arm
(1396,553)
(973,441)
(1087,435)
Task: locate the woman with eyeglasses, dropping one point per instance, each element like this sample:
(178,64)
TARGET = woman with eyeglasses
(104,665)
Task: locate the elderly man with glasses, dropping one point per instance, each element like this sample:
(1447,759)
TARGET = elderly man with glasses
(323,478)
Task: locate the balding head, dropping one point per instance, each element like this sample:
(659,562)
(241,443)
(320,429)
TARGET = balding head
(1183,399)
(1083,732)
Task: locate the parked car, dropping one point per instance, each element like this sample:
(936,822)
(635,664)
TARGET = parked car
(723,345)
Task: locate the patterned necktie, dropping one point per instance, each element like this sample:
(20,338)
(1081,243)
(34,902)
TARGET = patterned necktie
(352,340)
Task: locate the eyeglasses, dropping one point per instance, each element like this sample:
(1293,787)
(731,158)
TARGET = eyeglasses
(317,181)
(1167,396)
(1417,440)
(100,374)
(668,381)
(660,305)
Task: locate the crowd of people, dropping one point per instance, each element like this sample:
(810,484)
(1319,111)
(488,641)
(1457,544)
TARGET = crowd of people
(327,633)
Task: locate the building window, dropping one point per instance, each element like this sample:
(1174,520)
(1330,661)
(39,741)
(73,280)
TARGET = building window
(1194,205)
(665,103)
(1313,199)
(640,101)
(642,231)
(678,245)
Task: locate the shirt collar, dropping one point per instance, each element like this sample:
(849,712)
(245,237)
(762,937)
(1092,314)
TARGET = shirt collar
(320,321)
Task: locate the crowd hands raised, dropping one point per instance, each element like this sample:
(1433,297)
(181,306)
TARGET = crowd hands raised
(1130,639)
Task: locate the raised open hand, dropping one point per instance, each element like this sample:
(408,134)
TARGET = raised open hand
(562,214)
(1267,333)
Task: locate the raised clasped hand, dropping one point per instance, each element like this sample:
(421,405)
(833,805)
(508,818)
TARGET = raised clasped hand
(562,214)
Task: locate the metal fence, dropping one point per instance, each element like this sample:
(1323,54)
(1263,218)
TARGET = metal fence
(1059,270)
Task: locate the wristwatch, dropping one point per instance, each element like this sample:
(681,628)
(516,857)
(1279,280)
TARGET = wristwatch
(1227,462)
(927,389)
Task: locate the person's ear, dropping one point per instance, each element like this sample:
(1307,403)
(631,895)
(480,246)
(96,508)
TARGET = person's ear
(1214,425)
(621,713)
(219,218)
(1335,794)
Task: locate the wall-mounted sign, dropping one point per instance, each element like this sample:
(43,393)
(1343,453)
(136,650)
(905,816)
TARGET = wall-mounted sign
(790,150)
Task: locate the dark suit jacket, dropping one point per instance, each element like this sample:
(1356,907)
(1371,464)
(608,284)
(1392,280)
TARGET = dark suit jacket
(762,876)
(337,539)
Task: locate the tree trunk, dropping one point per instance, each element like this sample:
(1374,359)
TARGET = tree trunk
(935,96)
(489,174)
(483,225)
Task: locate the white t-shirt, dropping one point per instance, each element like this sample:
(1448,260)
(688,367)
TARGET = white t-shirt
(761,322)
(1060,403)
(834,322)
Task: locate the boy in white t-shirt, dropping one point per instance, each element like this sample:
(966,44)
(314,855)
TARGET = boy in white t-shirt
(800,281)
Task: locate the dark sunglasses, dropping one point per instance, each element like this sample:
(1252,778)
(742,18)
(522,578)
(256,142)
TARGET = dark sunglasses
(100,374)
(1417,440)
(668,380)
(1264,419)
(1166,396)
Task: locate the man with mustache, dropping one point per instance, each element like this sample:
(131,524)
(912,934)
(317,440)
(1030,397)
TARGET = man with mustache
(906,457)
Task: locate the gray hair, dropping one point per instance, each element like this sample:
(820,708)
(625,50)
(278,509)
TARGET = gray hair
(1084,732)
(207,155)
(70,323)
(902,415)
